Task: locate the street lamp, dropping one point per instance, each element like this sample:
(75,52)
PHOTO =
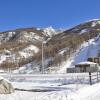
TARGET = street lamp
(43,42)
(42,57)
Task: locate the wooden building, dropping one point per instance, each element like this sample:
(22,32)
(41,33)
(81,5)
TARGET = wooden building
(94,59)
(86,67)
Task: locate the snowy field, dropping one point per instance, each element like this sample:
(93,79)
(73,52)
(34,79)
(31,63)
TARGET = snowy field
(53,92)
(72,92)
(49,78)
(51,87)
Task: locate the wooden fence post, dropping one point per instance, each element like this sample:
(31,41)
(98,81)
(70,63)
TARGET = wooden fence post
(90,78)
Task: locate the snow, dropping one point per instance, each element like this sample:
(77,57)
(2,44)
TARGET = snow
(49,31)
(88,49)
(95,23)
(83,31)
(65,65)
(32,48)
(30,36)
(63,50)
(38,28)
(10,34)
(28,51)
(5,86)
(93,20)
(2,71)
(86,93)
(87,62)
(57,86)
(2,58)
(54,90)
(23,54)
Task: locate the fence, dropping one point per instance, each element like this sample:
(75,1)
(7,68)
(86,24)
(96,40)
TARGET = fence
(70,78)
(94,77)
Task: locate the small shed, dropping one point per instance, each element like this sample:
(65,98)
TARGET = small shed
(86,67)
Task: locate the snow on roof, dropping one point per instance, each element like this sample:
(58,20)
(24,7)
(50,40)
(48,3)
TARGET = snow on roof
(86,62)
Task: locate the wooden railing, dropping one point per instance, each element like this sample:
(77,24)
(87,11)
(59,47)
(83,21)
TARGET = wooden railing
(94,77)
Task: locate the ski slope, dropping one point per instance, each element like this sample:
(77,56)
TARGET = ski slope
(88,49)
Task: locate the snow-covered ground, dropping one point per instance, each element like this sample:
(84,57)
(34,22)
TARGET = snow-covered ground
(86,93)
(42,87)
(46,87)
(49,95)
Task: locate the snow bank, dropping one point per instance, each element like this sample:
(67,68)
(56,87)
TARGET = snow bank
(86,93)
(5,86)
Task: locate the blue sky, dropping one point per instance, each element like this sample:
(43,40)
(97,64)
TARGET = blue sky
(44,13)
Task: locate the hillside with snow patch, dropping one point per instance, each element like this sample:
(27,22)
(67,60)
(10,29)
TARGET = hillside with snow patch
(21,49)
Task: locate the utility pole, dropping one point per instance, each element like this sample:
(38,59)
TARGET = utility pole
(43,43)
(42,57)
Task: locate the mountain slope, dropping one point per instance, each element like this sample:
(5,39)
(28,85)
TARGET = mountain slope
(86,50)
(22,48)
